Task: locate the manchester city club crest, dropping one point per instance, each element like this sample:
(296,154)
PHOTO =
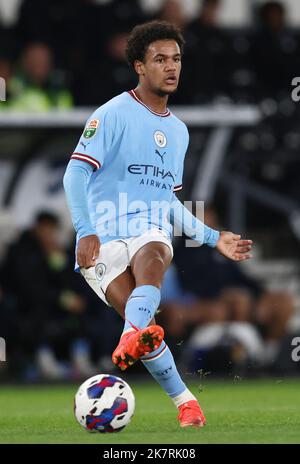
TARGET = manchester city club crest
(100,271)
(160,139)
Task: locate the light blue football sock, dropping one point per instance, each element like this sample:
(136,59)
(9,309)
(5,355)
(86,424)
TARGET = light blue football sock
(141,306)
(161,365)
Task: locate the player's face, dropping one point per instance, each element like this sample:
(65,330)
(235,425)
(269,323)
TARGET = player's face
(162,66)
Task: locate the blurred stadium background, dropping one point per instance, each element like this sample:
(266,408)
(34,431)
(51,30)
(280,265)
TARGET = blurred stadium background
(60,59)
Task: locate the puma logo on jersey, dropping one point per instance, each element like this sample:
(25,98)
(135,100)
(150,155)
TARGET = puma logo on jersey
(161,155)
(84,144)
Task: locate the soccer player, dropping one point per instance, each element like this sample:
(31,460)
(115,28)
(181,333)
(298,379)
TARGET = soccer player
(120,185)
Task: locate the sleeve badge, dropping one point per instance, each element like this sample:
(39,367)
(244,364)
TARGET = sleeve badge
(91,128)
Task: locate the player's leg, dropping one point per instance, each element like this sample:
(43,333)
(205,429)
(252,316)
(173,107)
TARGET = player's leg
(149,261)
(148,266)
(133,343)
(116,290)
(119,290)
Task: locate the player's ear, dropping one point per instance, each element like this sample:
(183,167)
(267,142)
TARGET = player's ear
(139,67)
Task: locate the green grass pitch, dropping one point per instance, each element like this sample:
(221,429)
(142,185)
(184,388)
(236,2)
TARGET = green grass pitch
(237,412)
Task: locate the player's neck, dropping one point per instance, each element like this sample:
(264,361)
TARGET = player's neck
(155,102)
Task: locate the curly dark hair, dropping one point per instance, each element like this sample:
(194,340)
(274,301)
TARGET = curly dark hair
(144,34)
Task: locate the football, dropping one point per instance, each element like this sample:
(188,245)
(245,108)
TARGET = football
(104,403)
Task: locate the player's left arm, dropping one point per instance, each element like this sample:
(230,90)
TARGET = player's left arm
(227,243)
(233,246)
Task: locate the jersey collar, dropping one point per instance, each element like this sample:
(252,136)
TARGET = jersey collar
(163,115)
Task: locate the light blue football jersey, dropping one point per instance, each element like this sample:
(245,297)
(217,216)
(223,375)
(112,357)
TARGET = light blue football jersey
(138,158)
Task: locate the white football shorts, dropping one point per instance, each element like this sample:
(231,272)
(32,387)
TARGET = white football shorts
(115,257)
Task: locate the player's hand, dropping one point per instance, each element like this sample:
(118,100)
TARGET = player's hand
(233,247)
(88,251)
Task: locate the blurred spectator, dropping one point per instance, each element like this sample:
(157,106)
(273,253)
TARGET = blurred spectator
(172,11)
(51,312)
(97,62)
(182,308)
(209,14)
(127,12)
(275,50)
(181,311)
(37,86)
(199,333)
(112,75)
(45,21)
(272,15)
(207,50)
(214,279)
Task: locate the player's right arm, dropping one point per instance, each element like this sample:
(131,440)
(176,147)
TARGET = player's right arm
(94,144)
(76,179)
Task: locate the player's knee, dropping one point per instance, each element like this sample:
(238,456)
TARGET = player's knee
(153,270)
(155,264)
